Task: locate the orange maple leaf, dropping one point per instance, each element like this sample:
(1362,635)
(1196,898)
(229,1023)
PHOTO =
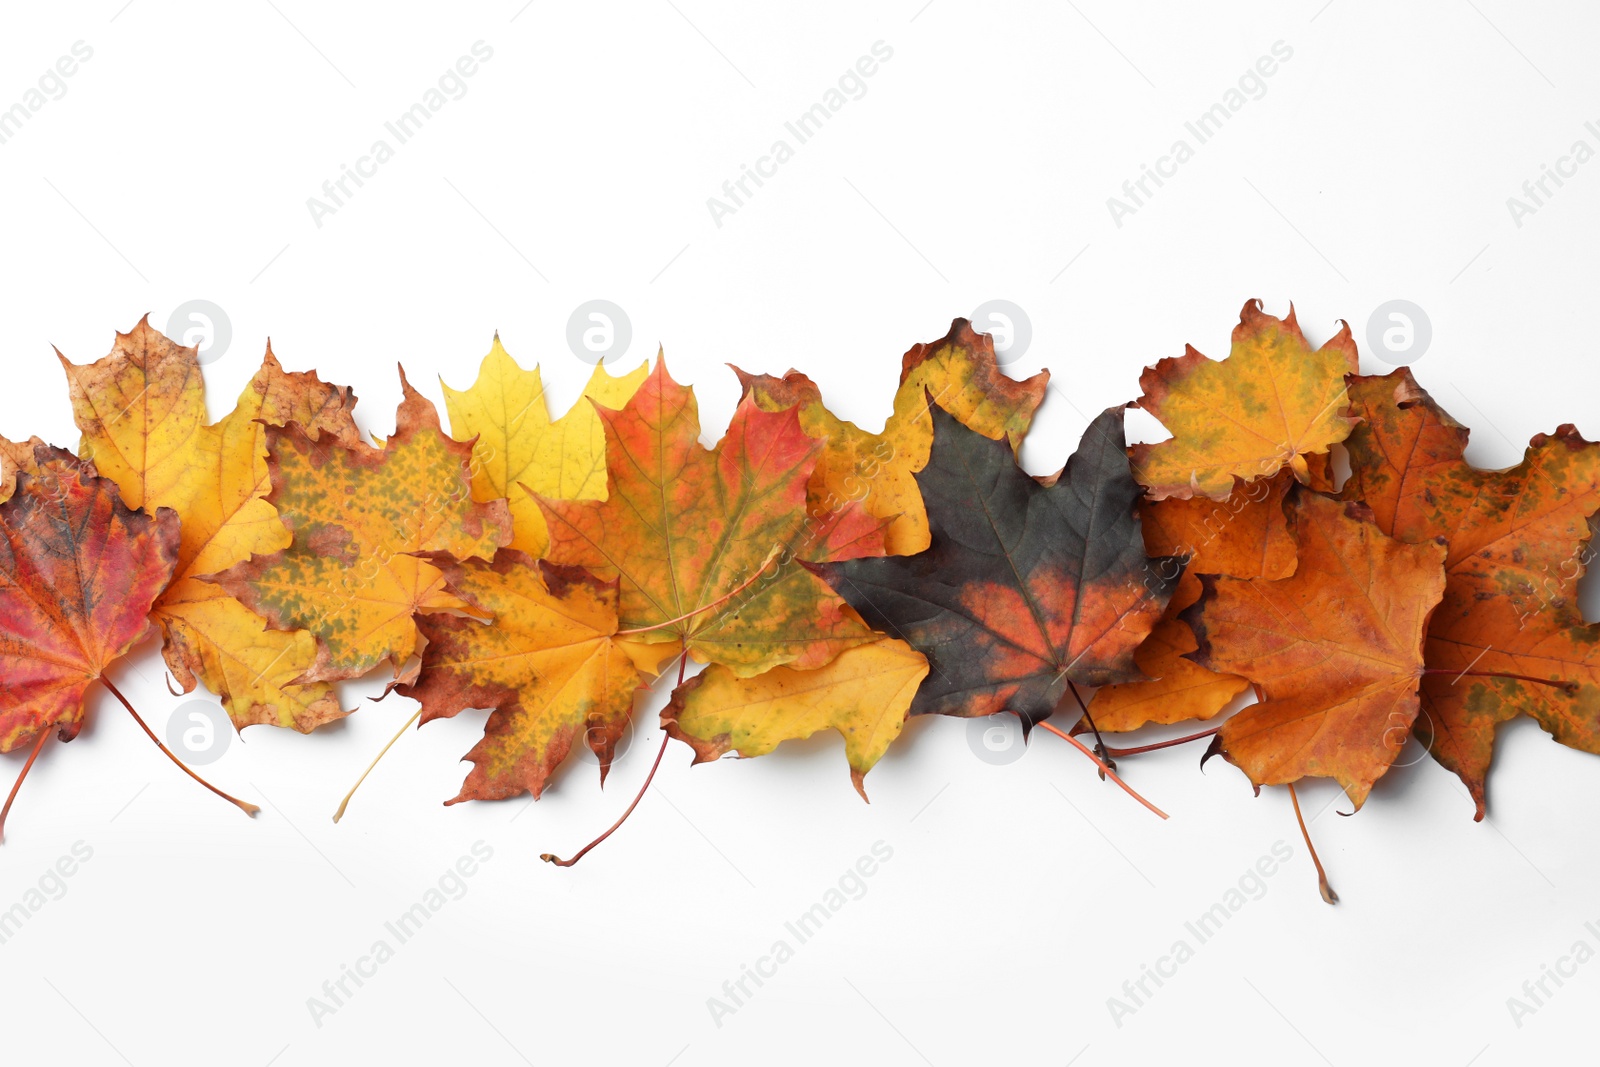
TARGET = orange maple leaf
(1335,650)
(1245,536)
(547,664)
(1509,638)
(686,528)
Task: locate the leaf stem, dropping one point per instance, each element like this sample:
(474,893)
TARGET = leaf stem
(741,587)
(1099,742)
(243,805)
(1328,895)
(1079,745)
(44,735)
(398,734)
(550,857)
(1156,746)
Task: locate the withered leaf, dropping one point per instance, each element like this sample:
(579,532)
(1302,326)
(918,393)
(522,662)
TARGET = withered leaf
(1026,586)
(1335,650)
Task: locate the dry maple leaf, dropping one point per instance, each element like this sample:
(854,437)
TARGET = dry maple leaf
(548,666)
(865,694)
(16,458)
(142,412)
(706,542)
(505,417)
(79,570)
(1518,543)
(360,517)
(961,374)
(1245,536)
(854,465)
(961,371)
(1272,403)
(1335,650)
(1026,585)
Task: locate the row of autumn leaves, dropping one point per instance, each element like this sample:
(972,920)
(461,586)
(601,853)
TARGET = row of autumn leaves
(547,570)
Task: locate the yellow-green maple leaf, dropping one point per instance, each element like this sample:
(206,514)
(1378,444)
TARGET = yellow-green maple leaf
(363,519)
(864,693)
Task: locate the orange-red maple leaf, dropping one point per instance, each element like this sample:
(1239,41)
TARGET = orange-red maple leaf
(79,571)
(706,543)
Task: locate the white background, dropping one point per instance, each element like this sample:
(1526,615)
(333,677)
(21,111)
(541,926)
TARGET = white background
(977,165)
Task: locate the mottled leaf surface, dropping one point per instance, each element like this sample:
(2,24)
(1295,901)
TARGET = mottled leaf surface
(79,570)
(962,372)
(1272,403)
(544,659)
(359,517)
(1519,541)
(685,527)
(16,457)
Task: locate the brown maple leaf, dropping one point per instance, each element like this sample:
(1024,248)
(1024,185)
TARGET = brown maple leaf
(1335,650)
(16,457)
(1509,638)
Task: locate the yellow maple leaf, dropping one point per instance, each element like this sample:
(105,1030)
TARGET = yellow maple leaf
(864,693)
(1271,404)
(961,372)
(548,666)
(15,457)
(518,443)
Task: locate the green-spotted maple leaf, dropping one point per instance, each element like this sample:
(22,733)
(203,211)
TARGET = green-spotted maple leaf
(706,543)
(1273,403)
(961,372)
(1026,586)
(1509,638)
(361,519)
